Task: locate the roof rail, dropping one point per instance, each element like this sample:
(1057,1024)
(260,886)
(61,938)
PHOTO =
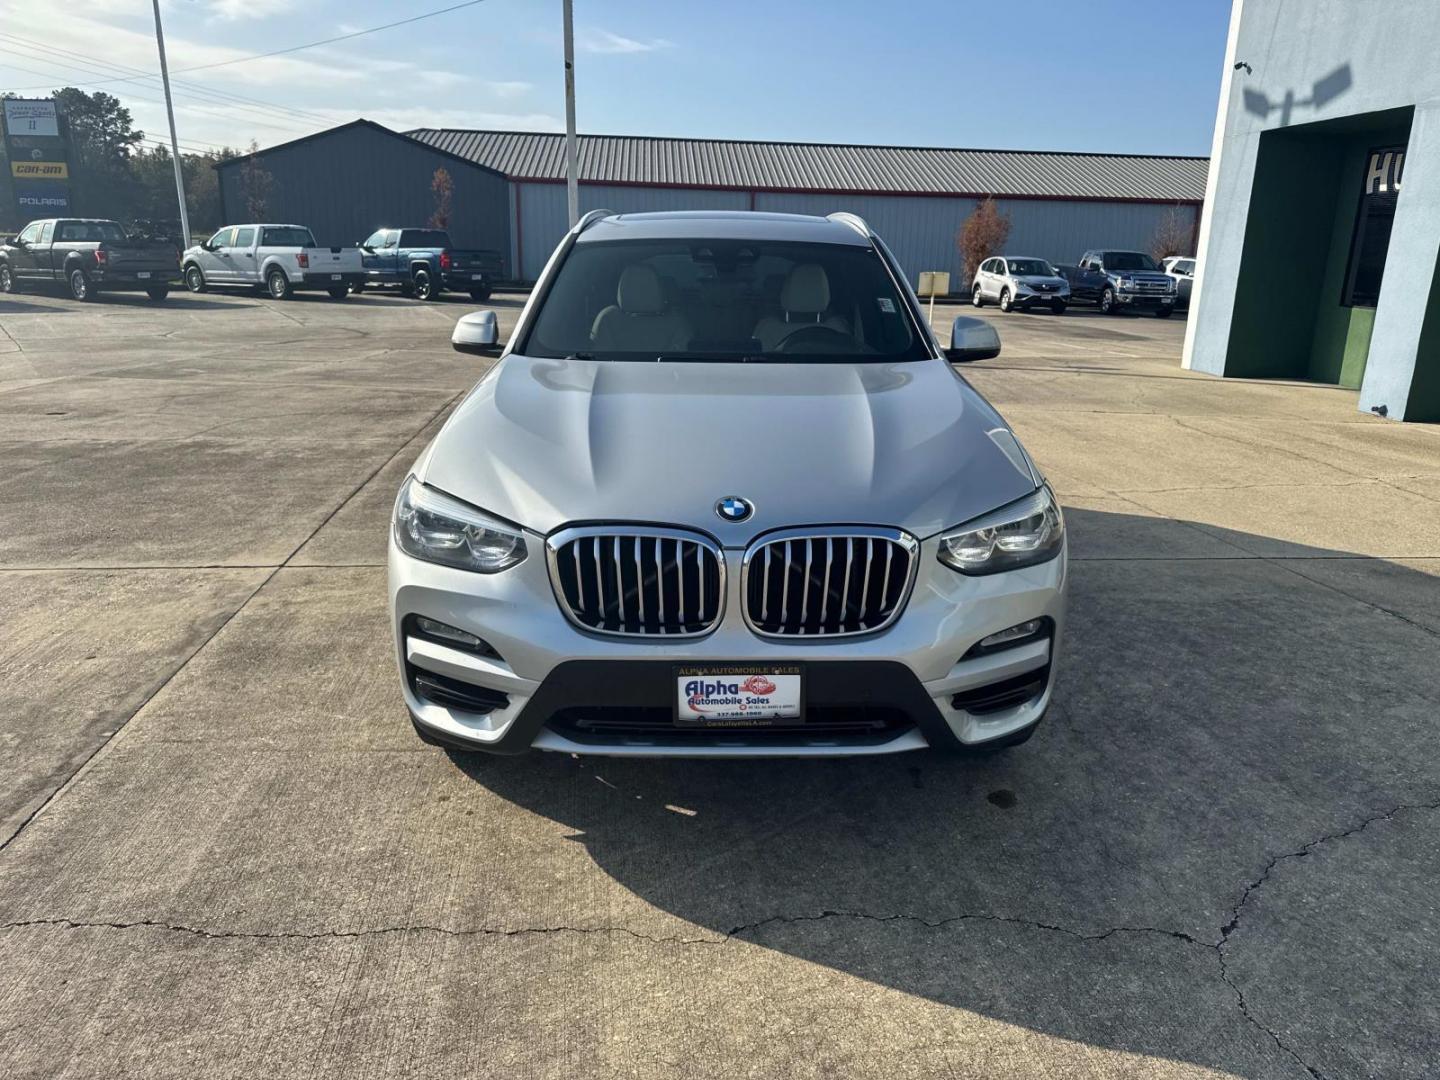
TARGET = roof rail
(855,221)
(590,217)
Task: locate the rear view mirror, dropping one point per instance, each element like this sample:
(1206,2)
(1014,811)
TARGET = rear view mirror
(477,333)
(972,339)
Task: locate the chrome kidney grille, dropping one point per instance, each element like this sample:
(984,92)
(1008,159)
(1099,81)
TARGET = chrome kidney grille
(827,583)
(637,581)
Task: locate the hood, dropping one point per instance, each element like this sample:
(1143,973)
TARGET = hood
(1040,279)
(550,442)
(1141,275)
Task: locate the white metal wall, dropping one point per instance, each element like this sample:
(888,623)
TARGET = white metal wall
(920,230)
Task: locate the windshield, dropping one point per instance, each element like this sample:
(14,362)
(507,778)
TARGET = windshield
(286,236)
(91,231)
(426,238)
(723,300)
(1029,267)
(1129,260)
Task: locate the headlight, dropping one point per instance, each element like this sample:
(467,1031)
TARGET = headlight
(1024,533)
(439,529)
(1123,283)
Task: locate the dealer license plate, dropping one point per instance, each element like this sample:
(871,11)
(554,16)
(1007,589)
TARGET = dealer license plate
(477,277)
(143,274)
(739,695)
(334,277)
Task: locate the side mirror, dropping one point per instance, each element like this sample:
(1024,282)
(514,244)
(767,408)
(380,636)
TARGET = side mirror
(972,339)
(477,333)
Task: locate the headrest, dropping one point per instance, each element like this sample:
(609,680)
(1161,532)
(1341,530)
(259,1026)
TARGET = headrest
(807,290)
(639,292)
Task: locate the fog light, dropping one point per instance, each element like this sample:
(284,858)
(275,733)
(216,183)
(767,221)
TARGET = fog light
(450,635)
(1015,634)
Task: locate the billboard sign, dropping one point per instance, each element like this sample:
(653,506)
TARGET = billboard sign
(41,199)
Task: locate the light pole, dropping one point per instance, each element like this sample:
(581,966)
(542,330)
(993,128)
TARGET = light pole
(572,154)
(174,142)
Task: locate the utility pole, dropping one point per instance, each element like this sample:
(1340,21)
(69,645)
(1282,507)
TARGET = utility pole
(572,152)
(174,142)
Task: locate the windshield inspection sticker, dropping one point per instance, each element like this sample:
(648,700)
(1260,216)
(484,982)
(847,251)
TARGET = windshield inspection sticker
(726,696)
(886,304)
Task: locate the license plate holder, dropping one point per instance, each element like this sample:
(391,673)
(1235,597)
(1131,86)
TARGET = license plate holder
(738,696)
(477,277)
(143,275)
(334,277)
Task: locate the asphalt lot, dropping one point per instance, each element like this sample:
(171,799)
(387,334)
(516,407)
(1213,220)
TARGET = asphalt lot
(223,853)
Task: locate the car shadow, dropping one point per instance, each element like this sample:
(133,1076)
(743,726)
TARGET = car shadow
(1204,719)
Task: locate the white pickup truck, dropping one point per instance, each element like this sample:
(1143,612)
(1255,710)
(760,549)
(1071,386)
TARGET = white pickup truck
(277,258)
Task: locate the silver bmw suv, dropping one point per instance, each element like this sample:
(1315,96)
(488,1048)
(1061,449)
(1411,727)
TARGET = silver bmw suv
(724,494)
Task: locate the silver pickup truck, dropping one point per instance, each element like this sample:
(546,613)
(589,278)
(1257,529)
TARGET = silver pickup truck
(277,258)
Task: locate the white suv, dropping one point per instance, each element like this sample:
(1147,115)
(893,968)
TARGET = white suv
(1019,282)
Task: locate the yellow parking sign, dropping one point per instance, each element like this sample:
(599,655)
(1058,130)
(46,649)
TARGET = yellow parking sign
(40,170)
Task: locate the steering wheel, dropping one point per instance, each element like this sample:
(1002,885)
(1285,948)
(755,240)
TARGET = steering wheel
(818,338)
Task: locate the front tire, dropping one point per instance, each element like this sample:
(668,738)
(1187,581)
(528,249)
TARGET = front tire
(195,279)
(975,298)
(1107,302)
(277,284)
(425,286)
(1006,304)
(1057,307)
(7,281)
(480,295)
(158,292)
(358,288)
(339,293)
(1164,312)
(80,286)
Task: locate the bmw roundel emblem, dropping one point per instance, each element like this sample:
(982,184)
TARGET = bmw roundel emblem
(734,508)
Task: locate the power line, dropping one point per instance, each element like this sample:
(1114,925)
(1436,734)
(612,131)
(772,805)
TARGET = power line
(209,97)
(291,49)
(127,69)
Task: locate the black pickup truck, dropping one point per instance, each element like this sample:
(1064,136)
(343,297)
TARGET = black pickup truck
(86,255)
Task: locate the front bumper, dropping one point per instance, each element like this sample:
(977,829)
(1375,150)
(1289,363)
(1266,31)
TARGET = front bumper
(1146,300)
(909,676)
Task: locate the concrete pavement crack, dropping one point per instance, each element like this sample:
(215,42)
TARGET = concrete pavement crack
(1237,912)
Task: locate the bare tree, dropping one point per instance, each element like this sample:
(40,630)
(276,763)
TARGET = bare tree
(983,234)
(443,188)
(1173,234)
(256,183)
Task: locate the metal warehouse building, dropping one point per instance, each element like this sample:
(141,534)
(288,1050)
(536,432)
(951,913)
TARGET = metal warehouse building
(1059,203)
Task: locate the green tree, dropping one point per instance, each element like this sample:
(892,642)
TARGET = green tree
(256,184)
(103,141)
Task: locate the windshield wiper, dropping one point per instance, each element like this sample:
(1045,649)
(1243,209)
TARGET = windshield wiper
(580,356)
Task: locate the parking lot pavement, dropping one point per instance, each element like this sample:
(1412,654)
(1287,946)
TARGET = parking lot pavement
(223,853)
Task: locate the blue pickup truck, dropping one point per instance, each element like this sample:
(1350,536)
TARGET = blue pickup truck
(423,264)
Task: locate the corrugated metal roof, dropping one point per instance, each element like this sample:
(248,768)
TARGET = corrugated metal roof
(913,170)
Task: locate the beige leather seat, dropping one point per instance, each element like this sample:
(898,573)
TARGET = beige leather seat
(640,320)
(804,299)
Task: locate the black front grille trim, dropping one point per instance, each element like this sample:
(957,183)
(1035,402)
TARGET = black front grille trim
(652,726)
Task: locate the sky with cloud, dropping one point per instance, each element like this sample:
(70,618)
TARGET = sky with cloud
(922,72)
